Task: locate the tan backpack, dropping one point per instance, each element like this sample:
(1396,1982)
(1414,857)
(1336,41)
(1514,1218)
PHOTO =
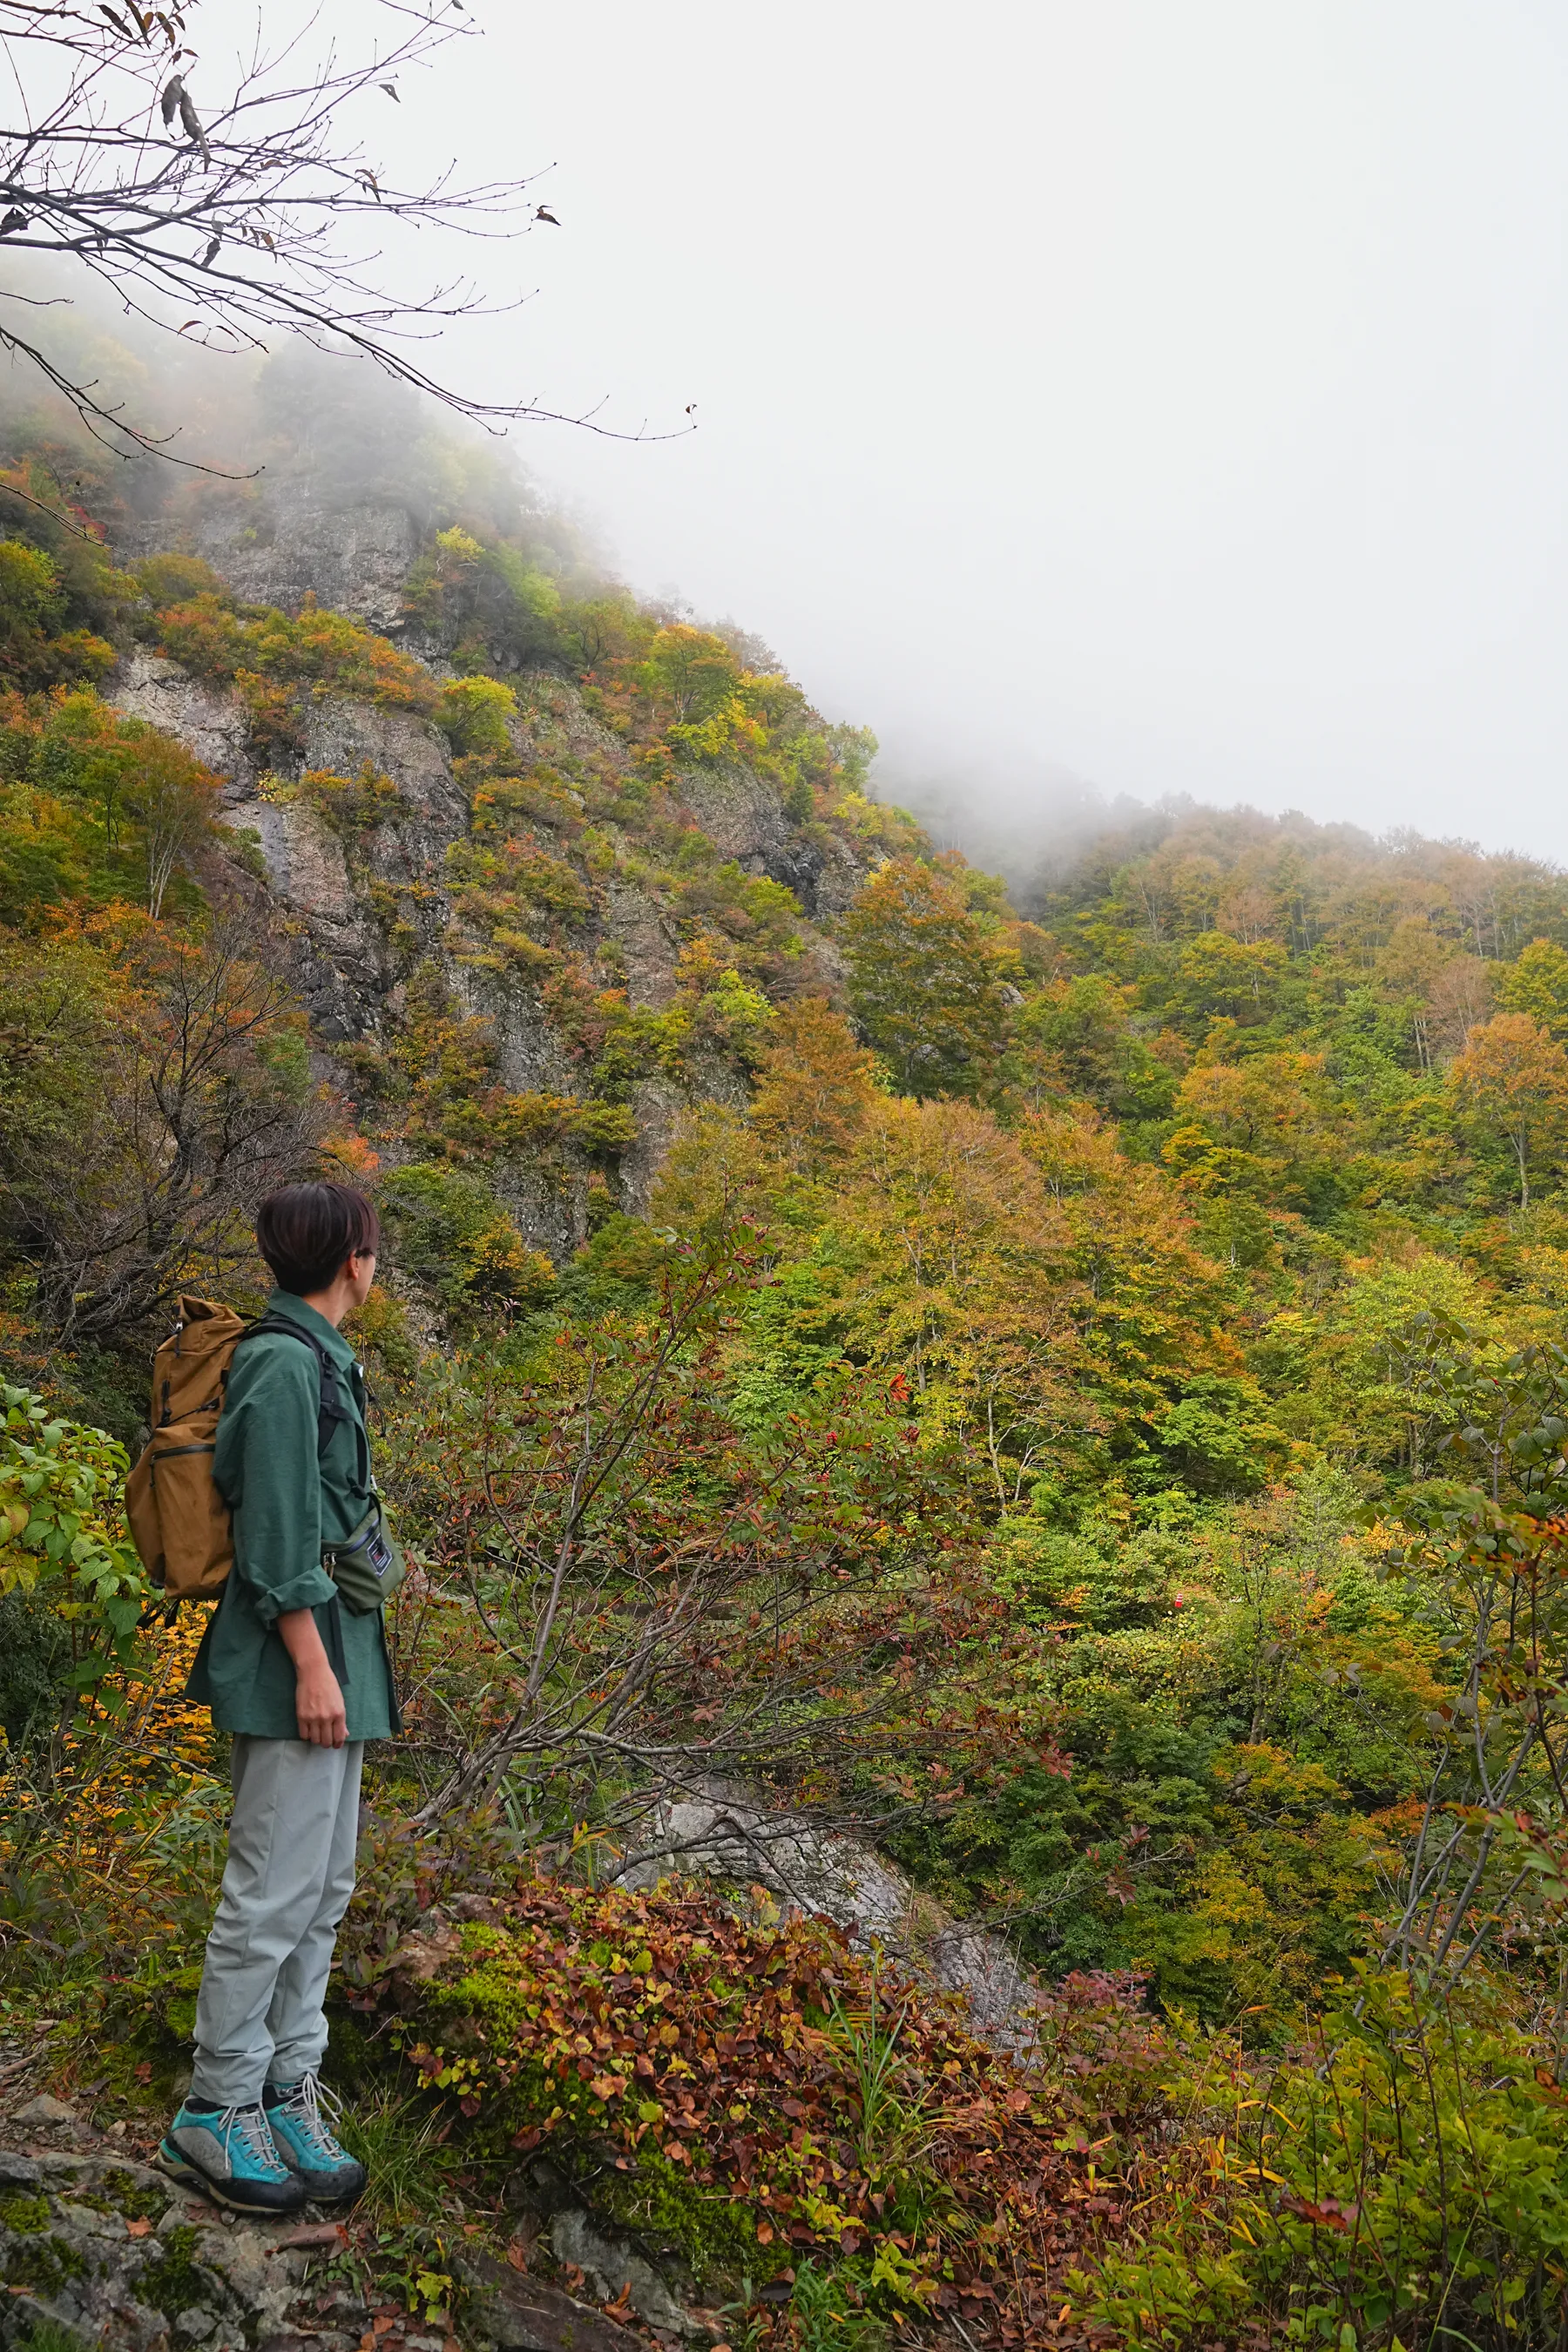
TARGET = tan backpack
(179,1522)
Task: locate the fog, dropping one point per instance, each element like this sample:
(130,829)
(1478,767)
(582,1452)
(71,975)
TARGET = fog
(1171,399)
(1095,399)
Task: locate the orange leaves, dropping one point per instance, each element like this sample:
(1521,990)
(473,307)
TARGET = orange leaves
(1512,1081)
(323,651)
(1322,2212)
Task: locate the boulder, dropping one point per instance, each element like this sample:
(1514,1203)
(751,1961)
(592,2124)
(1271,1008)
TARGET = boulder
(519,2314)
(44,2114)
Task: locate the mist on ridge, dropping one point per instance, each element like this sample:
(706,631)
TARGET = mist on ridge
(333,432)
(1167,399)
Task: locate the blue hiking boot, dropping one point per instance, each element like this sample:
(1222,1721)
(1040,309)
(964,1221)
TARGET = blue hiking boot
(298,2113)
(228,2153)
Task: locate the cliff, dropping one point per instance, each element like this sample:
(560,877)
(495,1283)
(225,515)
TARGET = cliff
(559,894)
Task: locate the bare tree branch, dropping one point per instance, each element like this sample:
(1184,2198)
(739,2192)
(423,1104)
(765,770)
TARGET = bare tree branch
(233,212)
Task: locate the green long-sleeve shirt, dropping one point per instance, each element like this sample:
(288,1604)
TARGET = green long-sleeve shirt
(286,1507)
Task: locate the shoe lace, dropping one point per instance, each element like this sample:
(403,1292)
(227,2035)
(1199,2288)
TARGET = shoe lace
(253,2133)
(316,2109)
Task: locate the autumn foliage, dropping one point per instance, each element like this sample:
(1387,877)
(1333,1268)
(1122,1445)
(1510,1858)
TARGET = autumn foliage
(796,2098)
(1057,1379)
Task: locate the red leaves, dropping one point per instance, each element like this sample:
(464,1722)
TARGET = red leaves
(733,2072)
(1325,2213)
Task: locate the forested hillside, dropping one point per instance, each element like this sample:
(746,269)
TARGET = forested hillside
(1065,1393)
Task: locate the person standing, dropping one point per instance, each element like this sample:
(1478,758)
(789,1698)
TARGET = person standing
(299,1676)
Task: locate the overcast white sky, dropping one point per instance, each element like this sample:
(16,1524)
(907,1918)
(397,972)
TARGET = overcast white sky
(1173,395)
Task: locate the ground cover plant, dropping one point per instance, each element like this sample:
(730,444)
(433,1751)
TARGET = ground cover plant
(765,2093)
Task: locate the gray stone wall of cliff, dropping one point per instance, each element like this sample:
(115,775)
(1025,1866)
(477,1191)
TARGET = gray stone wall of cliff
(280,543)
(327,895)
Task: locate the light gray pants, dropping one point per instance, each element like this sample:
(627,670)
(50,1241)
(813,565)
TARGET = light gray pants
(286,1885)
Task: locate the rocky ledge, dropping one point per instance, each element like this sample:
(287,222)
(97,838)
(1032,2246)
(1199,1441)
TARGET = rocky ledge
(105,2250)
(97,2249)
(102,2251)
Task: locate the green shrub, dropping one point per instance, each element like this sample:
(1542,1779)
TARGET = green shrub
(450,1230)
(475,714)
(1401,2180)
(170,579)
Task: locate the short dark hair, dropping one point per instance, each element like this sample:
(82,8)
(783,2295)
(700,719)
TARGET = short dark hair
(307,1232)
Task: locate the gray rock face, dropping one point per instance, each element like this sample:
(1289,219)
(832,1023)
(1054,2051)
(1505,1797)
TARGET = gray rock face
(647,946)
(359,908)
(277,543)
(332,892)
(343,737)
(613,2268)
(306,867)
(519,2314)
(657,1105)
(209,721)
(744,818)
(110,2252)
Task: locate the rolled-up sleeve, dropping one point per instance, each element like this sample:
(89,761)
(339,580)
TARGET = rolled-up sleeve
(264,1467)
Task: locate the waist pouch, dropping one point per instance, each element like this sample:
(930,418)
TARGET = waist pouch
(367,1566)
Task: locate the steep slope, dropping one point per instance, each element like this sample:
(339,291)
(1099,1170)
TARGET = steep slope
(490,865)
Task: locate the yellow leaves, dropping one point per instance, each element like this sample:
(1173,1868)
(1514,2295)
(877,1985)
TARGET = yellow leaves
(460,2074)
(1512,1080)
(459,546)
(924,986)
(19,1570)
(829,2221)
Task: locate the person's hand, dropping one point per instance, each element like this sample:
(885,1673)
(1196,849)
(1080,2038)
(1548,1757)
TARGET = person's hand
(319,1705)
(318,1700)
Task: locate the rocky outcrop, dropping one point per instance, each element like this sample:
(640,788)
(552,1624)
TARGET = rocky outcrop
(102,2248)
(359,899)
(743,818)
(98,2245)
(208,721)
(721,1835)
(518,2314)
(279,542)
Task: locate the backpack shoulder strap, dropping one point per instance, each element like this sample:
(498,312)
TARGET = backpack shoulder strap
(331,1408)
